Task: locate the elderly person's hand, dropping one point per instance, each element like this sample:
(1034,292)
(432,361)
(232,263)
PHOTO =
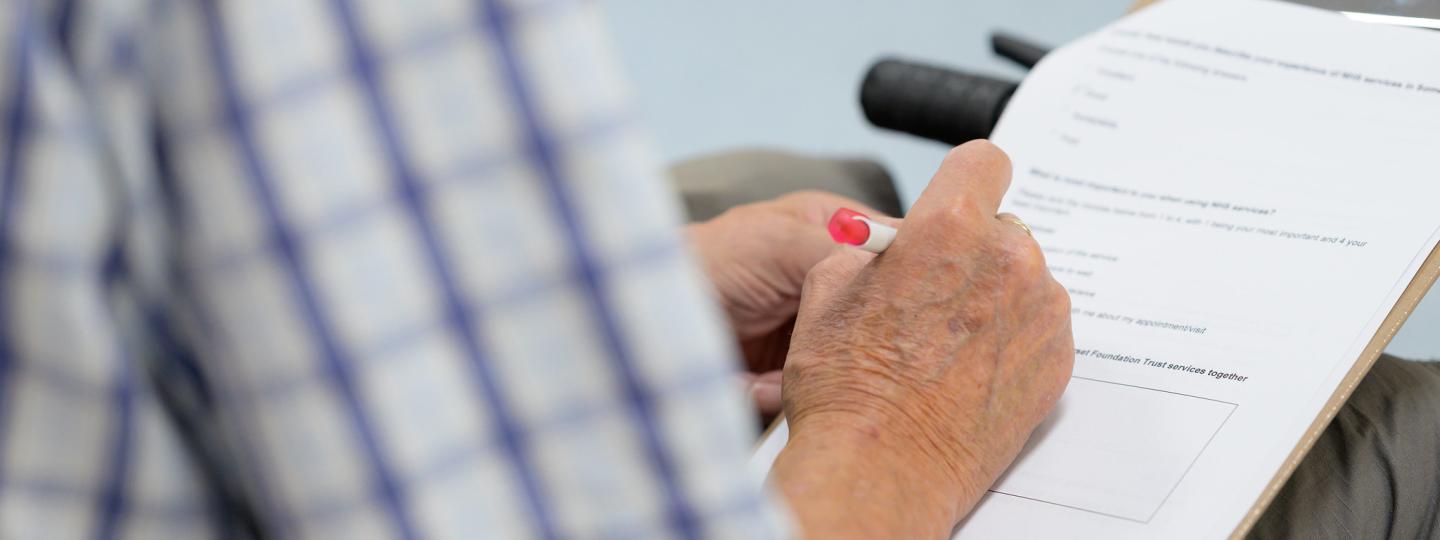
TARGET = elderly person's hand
(757,256)
(915,377)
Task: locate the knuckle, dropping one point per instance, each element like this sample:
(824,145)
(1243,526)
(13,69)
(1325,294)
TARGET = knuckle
(830,264)
(818,274)
(1063,304)
(1023,258)
(1060,291)
(1061,369)
(1055,306)
(828,270)
(1031,262)
(1056,361)
(1065,355)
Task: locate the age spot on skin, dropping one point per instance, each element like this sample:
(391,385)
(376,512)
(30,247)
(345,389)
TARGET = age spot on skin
(957,326)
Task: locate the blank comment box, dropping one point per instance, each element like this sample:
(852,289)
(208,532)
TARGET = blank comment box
(1114,449)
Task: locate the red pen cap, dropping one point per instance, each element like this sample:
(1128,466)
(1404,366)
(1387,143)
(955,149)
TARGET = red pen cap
(845,229)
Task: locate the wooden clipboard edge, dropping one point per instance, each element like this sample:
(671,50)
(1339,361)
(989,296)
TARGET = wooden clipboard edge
(1424,279)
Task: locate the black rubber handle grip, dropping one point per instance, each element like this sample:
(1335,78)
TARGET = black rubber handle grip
(933,102)
(1017,49)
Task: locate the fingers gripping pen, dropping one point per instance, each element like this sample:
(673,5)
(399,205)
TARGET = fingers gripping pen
(850,227)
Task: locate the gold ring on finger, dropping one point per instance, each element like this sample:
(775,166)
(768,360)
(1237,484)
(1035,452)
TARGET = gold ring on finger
(1012,218)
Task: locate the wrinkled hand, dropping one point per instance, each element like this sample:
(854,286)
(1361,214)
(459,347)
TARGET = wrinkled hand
(757,256)
(915,377)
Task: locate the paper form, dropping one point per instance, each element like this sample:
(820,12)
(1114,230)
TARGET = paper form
(1235,192)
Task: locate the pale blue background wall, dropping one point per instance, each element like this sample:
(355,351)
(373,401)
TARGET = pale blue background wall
(722,74)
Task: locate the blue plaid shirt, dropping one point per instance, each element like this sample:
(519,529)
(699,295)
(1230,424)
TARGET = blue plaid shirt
(348,269)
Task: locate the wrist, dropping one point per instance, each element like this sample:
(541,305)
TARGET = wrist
(851,482)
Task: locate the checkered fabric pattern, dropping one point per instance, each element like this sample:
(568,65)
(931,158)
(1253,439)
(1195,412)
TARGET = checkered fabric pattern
(348,269)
